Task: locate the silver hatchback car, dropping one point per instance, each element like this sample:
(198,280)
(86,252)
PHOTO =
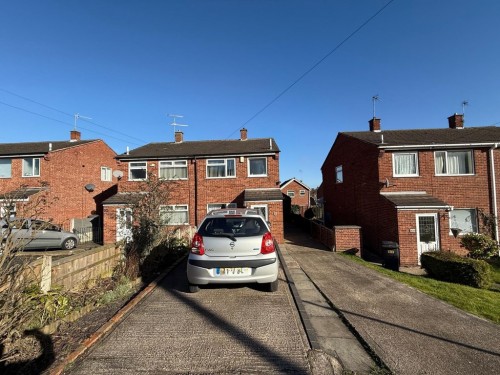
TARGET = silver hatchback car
(233,246)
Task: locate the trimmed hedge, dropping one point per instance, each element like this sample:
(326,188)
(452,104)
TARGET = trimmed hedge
(447,266)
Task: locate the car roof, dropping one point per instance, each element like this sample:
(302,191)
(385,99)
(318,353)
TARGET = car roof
(235,211)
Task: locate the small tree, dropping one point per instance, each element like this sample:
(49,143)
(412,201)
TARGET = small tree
(480,246)
(147,221)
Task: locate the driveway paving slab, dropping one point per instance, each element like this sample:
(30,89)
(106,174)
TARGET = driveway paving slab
(411,332)
(221,329)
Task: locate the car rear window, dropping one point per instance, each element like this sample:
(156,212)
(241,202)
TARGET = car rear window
(237,226)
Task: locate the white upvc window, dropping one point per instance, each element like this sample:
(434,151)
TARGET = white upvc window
(257,167)
(5,168)
(174,169)
(31,167)
(221,168)
(106,174)
(302,193)
(216,206)
(137,170)
(405,164)
(290,193)
(453,163)
(174,214)
(463,219)
(339,174)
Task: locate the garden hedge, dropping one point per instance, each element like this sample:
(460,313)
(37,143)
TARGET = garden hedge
(447,266)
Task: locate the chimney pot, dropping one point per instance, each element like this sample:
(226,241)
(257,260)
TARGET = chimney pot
(374,125)
(243,134)
(75,135)
(456,121)
(179,137)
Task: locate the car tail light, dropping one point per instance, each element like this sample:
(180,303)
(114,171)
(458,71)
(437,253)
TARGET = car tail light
(267,246)
(197,245)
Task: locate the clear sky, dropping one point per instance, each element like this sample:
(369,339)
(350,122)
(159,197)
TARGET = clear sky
(127,64)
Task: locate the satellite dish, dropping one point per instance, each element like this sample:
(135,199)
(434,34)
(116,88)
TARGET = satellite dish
(90,187)
(118,174)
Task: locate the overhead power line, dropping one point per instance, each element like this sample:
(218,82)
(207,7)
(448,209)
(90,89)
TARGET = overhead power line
(315,65)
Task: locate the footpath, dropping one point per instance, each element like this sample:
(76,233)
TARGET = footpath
(408,331)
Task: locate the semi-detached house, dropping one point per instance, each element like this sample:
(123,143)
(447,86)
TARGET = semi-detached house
(74,176)
(421,188)
(207,175)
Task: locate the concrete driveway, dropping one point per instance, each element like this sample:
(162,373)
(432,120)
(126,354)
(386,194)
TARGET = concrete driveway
(221,329)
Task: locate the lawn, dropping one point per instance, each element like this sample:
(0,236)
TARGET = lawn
(480,302)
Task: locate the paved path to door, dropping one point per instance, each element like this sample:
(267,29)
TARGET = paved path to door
(224,330)
(410,331)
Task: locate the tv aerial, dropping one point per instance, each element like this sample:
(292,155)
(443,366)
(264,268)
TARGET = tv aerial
(77,116)
(375,98)
(174,123)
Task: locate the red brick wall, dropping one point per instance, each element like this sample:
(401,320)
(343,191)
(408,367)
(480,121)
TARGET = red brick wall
(67,172)
(347,238)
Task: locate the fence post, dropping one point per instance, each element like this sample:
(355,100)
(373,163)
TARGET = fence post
(46,273)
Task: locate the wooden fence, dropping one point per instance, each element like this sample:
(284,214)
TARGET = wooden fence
(76,270)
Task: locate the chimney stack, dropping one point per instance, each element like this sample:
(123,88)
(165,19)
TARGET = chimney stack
(243,134)
(75,135)
(374,125)
(456,121)
(179,137)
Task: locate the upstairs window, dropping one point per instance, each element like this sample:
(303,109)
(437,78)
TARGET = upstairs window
(174,215)
(451,163)
(106,174)
(137,171)
(257,167)
(221,168)
(405,164)
(174,170)
(302,193)
(290,193)
(339,174)
(5,168)
(31,167)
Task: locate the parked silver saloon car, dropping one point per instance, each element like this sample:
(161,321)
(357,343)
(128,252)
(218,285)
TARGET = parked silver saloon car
(36,234)
(233,246)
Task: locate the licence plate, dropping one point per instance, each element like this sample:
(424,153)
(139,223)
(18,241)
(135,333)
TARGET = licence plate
(240,271)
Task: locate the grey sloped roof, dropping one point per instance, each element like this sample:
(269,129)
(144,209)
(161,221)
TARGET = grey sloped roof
(202,148)
(415,200)
(28,148)
(22,193)
(254,195)
(485,134)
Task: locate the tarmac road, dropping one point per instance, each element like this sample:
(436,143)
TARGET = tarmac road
(221,329)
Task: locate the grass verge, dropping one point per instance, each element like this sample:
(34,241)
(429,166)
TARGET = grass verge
(483,303)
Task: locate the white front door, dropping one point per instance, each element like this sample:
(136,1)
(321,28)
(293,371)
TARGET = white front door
(427,233)
(123,224)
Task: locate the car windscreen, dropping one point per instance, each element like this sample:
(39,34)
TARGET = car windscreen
(235,226)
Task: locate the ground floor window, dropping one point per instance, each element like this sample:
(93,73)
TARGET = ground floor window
(463,219)
(174,215)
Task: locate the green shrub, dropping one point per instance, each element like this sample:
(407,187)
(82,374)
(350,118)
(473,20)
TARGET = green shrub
(447,266)
(480,246)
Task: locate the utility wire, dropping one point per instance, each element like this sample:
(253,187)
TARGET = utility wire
(315,65)
(33,101)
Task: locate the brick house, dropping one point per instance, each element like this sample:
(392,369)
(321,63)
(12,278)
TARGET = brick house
(205,175)
(421,188)
(74,175)
(299,193)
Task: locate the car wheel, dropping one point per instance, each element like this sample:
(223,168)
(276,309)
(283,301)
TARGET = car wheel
(69,244)
(194,288)
(273,287)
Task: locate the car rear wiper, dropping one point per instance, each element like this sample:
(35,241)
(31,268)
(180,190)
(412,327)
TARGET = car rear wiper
(227,235)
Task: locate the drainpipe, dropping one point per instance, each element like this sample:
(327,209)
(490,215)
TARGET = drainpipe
(494,189)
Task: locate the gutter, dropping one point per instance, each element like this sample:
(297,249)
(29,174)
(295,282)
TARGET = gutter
(438,145)
(494,190)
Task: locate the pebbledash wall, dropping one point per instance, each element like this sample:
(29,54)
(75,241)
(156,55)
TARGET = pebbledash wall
(64,173)
(197,192)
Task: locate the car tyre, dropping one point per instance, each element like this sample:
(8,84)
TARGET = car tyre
(69,244)
(273,287)
(194,288)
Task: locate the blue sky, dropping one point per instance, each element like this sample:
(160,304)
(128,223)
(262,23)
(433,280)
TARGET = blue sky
(127,64)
